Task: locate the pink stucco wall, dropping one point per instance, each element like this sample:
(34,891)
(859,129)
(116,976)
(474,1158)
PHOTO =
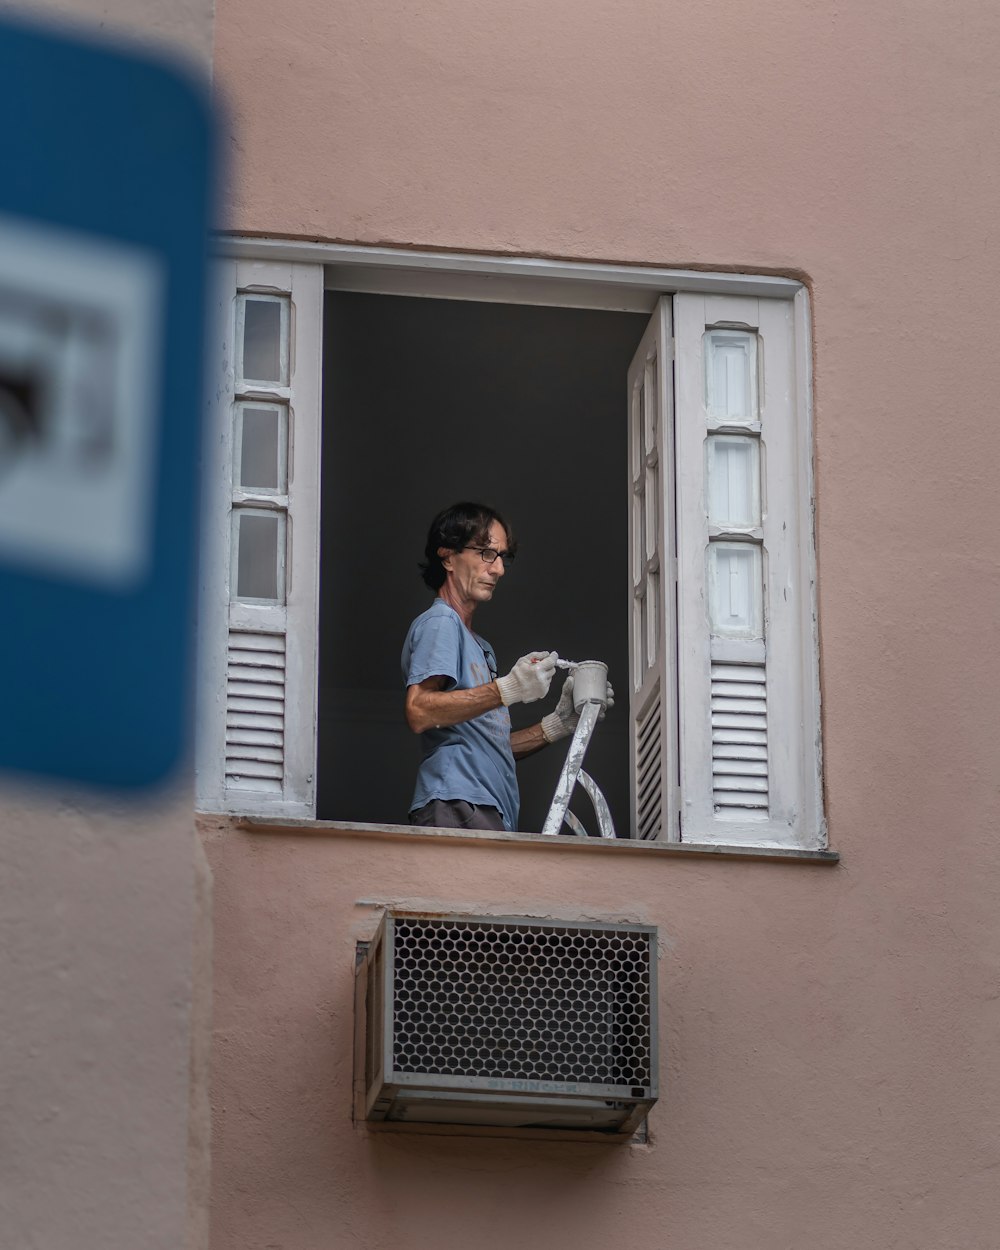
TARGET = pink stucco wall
(105,928)
(827,1075)
(831,1032)
(852,145)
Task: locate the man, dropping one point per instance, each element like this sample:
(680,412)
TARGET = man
(454,698)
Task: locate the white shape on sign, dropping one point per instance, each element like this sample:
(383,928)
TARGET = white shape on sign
(80,324)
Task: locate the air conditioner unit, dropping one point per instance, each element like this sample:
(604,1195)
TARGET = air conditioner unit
(510,1022)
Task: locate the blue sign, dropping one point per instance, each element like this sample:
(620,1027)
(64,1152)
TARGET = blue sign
(105,204)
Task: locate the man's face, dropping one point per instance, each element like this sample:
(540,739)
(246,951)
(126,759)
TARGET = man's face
(469,578)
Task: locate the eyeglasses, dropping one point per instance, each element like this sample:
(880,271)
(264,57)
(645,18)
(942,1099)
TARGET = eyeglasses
(490,554)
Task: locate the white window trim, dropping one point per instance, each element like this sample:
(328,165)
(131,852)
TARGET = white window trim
(295,621)
(793,812)
(653,736)
(501,279)
(526,280)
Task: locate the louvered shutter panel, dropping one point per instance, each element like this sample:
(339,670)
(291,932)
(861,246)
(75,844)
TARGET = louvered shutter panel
(257,720)
(739,737)
(748,748)
(255,712)
(651,686)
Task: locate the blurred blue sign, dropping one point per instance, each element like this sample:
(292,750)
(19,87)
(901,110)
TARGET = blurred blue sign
(105,201)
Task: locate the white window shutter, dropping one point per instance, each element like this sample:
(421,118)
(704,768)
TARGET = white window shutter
(258,626)
(652,696)
(748,695)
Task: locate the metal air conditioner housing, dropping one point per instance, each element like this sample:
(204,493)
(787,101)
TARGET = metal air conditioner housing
(515,1023)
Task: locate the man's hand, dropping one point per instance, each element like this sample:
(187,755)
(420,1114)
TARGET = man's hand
(529,679)
(564,720)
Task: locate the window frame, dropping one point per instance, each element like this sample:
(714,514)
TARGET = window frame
(428,274)
(786,651)
(284,630)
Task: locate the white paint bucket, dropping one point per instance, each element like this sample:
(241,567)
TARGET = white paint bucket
(590,683)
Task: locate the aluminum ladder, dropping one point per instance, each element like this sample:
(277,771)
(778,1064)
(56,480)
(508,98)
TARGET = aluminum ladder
(593,699)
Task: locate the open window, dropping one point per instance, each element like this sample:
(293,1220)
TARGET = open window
(653,455)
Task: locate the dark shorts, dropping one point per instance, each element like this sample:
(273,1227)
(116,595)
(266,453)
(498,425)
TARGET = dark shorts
(457,814)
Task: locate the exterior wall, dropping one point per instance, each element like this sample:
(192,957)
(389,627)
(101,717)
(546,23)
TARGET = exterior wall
(819,1087)
(105,1134)
(831,1078)
(105,992)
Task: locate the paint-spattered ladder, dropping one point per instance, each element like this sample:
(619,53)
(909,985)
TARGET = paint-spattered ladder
(590,696)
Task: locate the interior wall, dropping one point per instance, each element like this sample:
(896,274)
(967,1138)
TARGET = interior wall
(427,402)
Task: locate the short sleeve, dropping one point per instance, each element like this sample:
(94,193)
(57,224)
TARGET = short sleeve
(435,650)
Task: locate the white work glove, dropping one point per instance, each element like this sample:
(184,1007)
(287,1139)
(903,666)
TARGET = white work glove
(529,679)
(564,720)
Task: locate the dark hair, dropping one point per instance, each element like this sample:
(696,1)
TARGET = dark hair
(461,525)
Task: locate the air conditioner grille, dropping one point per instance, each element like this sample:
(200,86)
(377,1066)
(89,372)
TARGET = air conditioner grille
(522,1001)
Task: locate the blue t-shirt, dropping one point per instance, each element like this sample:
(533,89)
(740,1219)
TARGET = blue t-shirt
(473,761)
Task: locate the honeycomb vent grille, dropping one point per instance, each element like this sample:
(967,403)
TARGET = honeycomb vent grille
(522,1001)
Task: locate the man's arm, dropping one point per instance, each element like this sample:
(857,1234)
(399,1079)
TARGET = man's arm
(430,707)
(525,742)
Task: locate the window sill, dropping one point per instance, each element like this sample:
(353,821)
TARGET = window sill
(561,844)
